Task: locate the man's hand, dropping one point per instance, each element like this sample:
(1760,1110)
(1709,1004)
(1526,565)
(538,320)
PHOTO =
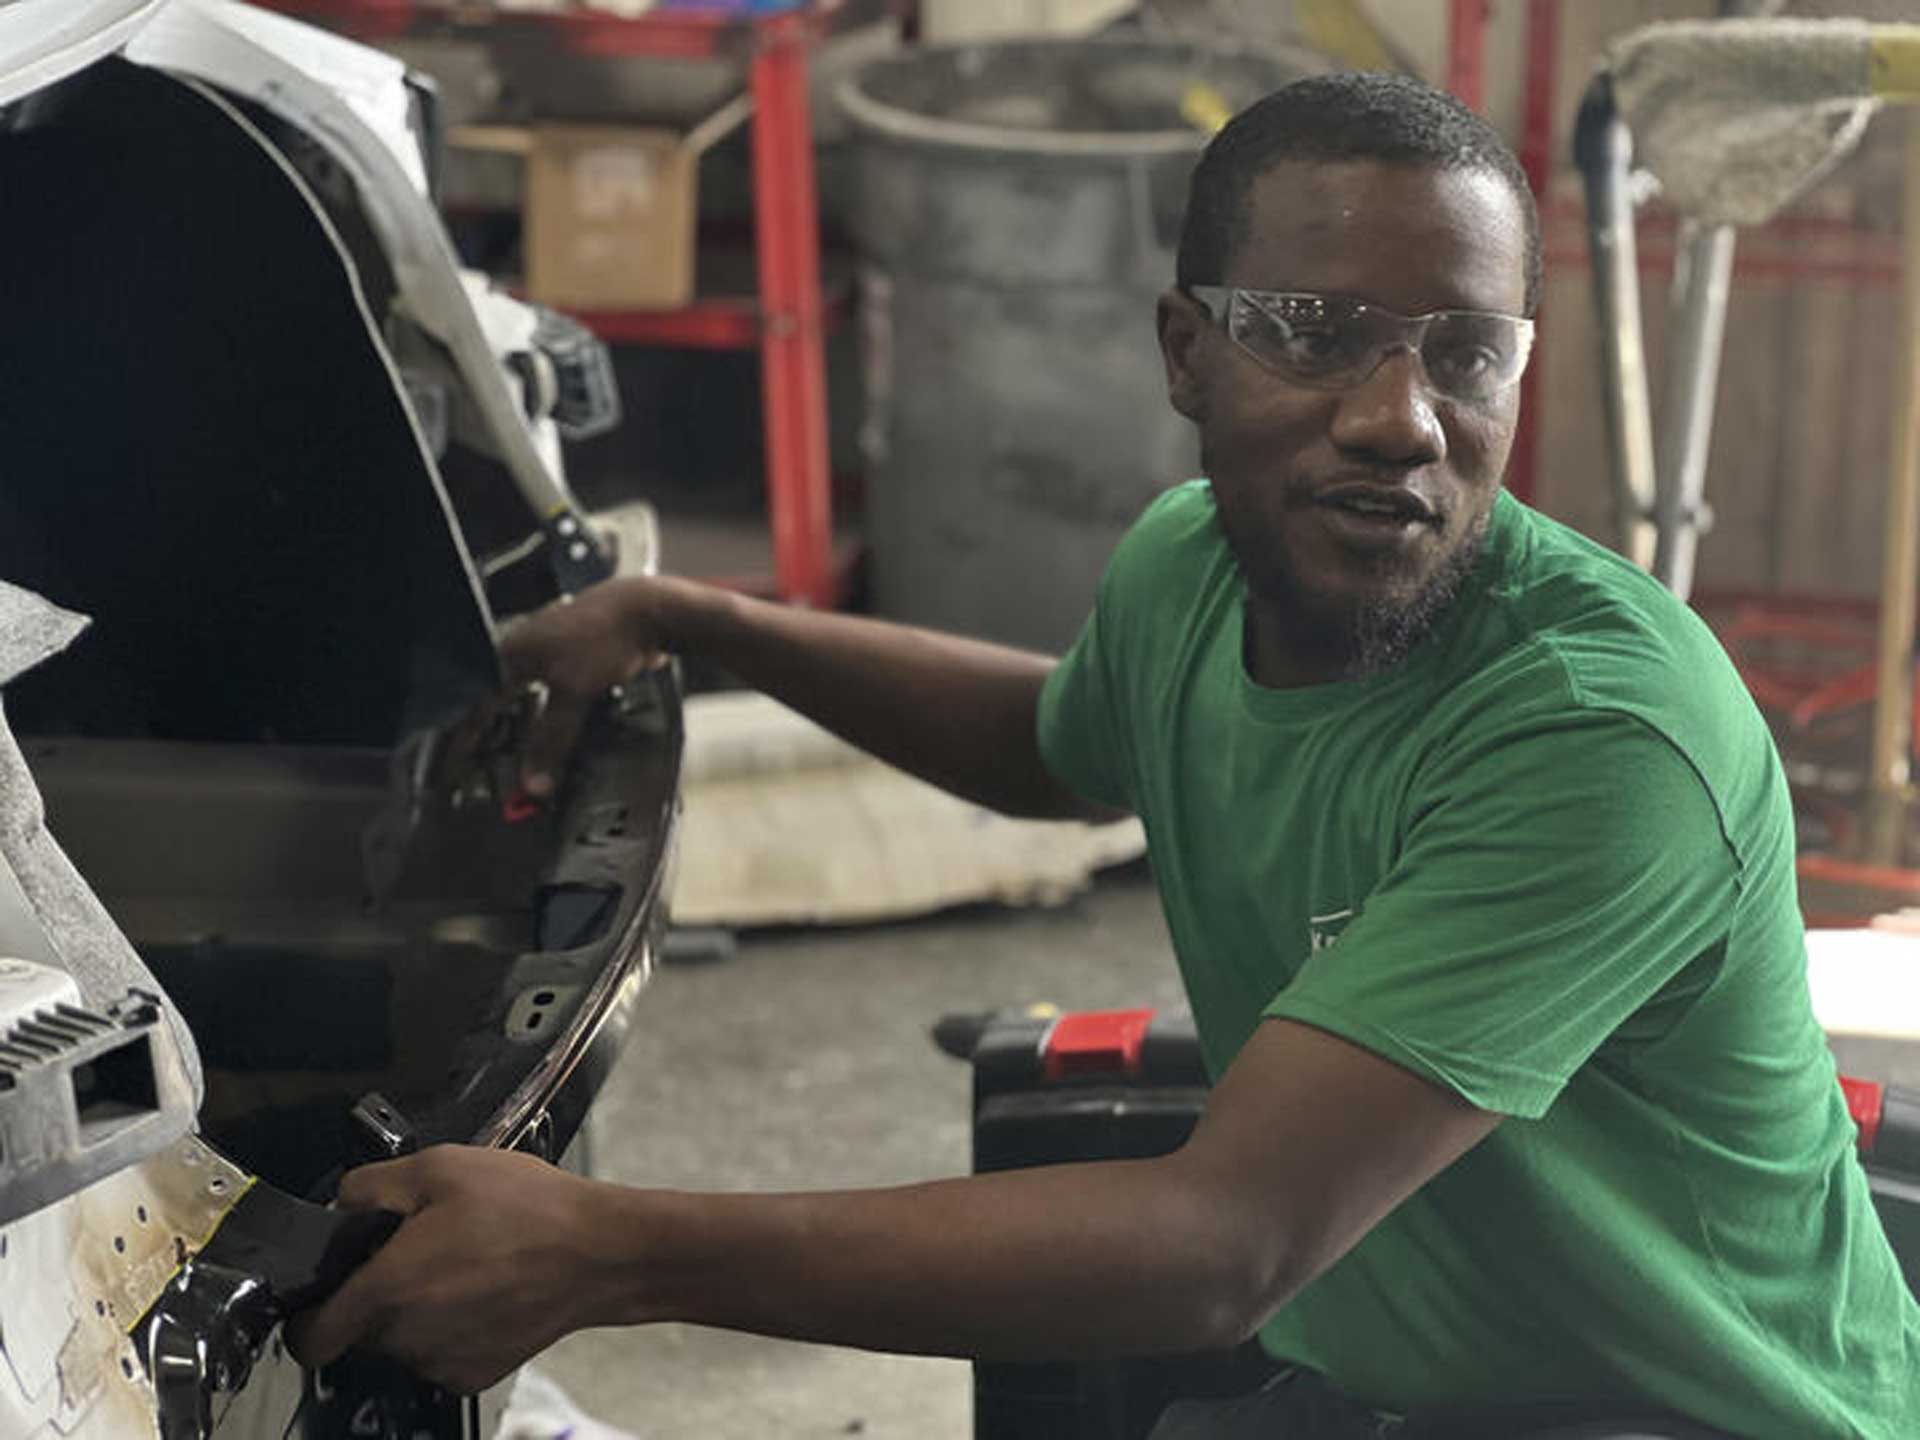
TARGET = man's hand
(485,1271)
(958,713)
(501,1255)
(579,648)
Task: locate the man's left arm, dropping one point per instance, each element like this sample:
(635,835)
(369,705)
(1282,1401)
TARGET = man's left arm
(1307,1142)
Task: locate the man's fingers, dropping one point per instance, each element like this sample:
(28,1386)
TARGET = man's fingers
(350,1316)
(528,645)
(354,1312)
(550,741)
(573,654)
(397,1185)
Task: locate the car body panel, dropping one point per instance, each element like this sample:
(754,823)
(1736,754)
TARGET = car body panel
(250,753)
(44,41)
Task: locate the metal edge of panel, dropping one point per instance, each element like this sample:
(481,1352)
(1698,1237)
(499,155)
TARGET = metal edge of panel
(41,44)
(597,1030)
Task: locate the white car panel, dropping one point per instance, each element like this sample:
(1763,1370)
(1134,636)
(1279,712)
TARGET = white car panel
(42,41)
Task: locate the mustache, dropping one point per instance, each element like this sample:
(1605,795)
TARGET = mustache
(1425,495)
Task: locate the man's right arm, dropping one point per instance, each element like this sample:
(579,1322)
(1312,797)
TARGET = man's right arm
(959,713)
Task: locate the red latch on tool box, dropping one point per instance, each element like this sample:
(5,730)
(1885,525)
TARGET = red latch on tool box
(1866,1102)
(1096,1042)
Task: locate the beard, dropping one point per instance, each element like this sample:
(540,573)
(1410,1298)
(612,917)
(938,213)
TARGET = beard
(1382,633)
(1364,638)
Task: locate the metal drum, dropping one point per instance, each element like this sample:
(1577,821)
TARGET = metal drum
(1019,205)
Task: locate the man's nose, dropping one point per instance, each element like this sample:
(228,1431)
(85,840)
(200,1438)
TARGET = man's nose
(1390,414)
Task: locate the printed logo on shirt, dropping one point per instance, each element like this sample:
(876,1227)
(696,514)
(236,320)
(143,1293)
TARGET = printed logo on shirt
(1323,930)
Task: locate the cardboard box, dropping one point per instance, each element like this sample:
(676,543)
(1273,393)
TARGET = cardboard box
(609,216)
(609,211)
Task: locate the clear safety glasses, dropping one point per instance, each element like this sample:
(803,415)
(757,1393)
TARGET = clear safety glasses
(1330,342)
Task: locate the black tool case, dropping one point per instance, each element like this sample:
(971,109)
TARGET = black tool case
(1054,1088)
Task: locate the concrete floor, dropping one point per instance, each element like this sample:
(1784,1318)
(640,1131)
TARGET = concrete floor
(804,1063)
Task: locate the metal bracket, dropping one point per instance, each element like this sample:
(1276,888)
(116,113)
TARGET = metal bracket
(271,1257)
(578,561)
(79,1093)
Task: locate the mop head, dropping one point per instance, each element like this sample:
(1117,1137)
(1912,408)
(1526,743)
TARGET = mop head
(1735,118)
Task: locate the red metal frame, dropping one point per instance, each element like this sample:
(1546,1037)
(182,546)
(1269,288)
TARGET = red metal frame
(368,19)
(788,320)
(1895,879)
(1467,50)
(714,324)
(720,322)
(793,333)
(1826,670)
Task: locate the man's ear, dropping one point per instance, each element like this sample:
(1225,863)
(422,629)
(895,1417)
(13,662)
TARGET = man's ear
(1183,324)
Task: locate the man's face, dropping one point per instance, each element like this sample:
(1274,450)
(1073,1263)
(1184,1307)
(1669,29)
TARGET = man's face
(1353,512)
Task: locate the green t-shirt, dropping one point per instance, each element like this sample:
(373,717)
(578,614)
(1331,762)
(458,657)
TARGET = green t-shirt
(1547,862)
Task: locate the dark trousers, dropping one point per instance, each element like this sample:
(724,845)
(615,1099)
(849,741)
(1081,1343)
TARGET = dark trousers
(1299,1405)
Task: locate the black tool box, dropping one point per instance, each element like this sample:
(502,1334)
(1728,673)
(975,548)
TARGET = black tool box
(1102,1085)
(1052,1088)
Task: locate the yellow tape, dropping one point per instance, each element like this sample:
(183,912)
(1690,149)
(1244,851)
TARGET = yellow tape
(1893,64)
(200,1243)
(1205,108)
(1342,29)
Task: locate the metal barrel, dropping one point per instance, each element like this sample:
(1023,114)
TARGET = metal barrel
(1018,209)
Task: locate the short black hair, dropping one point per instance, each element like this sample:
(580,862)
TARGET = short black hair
(1346,116)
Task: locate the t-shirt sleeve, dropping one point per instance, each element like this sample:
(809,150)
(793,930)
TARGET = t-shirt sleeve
(1081,727)
(1085,729)
(1555,877)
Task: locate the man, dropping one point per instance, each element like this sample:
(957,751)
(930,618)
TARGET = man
(1477,858)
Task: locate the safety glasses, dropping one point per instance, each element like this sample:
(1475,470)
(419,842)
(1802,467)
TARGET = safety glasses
(1330,342)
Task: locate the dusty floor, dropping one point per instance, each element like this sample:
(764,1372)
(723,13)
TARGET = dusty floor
(804,1062)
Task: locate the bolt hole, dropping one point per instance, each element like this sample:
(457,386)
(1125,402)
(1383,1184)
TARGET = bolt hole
(533,1020)
(126,1367)
(543,997)
(217,1184)
(3,1247)
(119,1244)
(99,1307)
(140,1213)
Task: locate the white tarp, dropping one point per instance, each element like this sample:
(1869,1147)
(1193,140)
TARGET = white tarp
(785,824)
(1866,983)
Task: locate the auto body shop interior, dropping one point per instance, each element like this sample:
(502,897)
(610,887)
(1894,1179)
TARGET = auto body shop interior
(1090,719)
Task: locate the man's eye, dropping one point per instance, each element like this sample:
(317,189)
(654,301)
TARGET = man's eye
(1462,363)
(1309,345)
